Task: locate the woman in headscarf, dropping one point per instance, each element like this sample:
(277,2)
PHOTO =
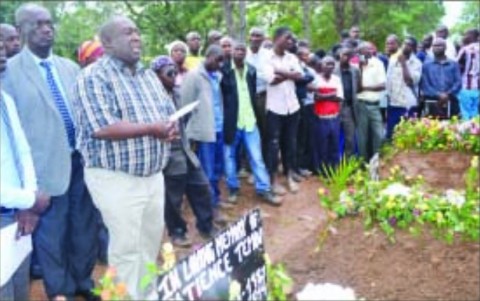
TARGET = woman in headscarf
(183,173)
(177,50)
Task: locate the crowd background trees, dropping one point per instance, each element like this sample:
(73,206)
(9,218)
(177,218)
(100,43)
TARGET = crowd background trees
(319,21)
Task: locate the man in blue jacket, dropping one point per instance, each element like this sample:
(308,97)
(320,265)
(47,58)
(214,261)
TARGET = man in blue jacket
(441,81)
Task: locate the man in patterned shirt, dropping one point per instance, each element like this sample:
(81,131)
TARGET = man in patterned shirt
(123,133)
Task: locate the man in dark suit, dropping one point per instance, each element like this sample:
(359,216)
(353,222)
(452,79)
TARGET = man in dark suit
(350,76)
(41,83)
(238,88)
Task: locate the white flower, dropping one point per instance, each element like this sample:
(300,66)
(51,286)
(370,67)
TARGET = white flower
(326,291)
(464,126)
(396,189)
(454,197)
(344,198)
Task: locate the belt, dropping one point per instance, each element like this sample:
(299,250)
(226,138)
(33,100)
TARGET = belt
(8,211)
(331,116)
(370,103)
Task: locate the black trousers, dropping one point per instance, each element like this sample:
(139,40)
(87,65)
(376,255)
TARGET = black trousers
(282,135)
(305,139)
(195,185)
(66,238)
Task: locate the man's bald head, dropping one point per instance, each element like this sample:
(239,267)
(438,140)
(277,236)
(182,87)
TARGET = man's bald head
(36,29)
(442,32)
(392,44)
(121,39)
(110,28)
(214,37)
(193,42)
(10,38)
(438,47)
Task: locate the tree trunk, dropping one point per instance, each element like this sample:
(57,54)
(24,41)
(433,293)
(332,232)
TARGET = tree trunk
(356,12)
(339,9)
(227,9)
(307,33)
(242,20)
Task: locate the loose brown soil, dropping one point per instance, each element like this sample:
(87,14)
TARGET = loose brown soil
(441,170)
(412,269)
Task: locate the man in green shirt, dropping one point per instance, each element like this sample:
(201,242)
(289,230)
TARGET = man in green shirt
(240,126)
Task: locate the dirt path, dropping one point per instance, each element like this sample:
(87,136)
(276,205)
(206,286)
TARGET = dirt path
(412,269)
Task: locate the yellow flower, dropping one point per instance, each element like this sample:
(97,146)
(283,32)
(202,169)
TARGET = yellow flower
(168,255)
(267,259)
(121,289)
(110,272)
(234,290)
(106,295)
(439,217)
(322,191)
(474,162)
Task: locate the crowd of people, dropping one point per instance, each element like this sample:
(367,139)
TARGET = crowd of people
(92,158)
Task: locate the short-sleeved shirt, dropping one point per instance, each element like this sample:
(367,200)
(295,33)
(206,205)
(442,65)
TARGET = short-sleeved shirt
(281,98)
(106,93)
(373,74)
(323,85)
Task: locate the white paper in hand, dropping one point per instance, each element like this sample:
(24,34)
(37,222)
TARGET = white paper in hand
(183,111)
(13,251)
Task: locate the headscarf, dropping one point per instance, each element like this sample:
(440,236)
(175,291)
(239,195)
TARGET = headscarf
(172,45)
(161,61)
(89,49)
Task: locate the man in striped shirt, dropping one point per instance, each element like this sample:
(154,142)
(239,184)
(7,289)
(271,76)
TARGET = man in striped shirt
(123,134)
(469,61)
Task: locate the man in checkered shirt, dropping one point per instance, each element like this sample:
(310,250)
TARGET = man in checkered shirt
(123,135)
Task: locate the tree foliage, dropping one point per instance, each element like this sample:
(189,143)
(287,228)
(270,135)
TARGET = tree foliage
(470,18)
(163,21)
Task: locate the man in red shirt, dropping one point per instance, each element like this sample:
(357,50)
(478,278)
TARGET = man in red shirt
(328,95)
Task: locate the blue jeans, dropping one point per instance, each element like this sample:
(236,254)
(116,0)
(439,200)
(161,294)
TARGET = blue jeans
(328,136)
(468,100)
(252,144)
(394,115)
(210,155)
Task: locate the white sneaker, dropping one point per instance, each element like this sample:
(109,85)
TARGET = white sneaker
(292,185)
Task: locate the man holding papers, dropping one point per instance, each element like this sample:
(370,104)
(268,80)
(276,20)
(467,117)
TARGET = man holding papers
(19,200)
(124,134)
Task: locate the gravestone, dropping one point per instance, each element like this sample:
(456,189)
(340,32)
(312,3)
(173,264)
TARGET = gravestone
(229,267)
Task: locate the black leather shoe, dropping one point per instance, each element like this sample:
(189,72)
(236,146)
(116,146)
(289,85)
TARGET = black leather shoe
(88,296)
(36,272)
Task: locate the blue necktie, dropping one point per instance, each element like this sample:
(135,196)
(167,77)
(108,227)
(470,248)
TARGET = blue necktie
(60,103)
(13,142)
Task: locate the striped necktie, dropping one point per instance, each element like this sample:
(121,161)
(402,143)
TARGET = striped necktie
(60,103)
(13,142)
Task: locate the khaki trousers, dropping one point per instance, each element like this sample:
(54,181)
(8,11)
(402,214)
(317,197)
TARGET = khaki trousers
(132,209)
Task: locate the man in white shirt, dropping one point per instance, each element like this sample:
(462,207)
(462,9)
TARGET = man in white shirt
(372,83)
(19,200)
(403,77)
(254,57)
(281,69)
